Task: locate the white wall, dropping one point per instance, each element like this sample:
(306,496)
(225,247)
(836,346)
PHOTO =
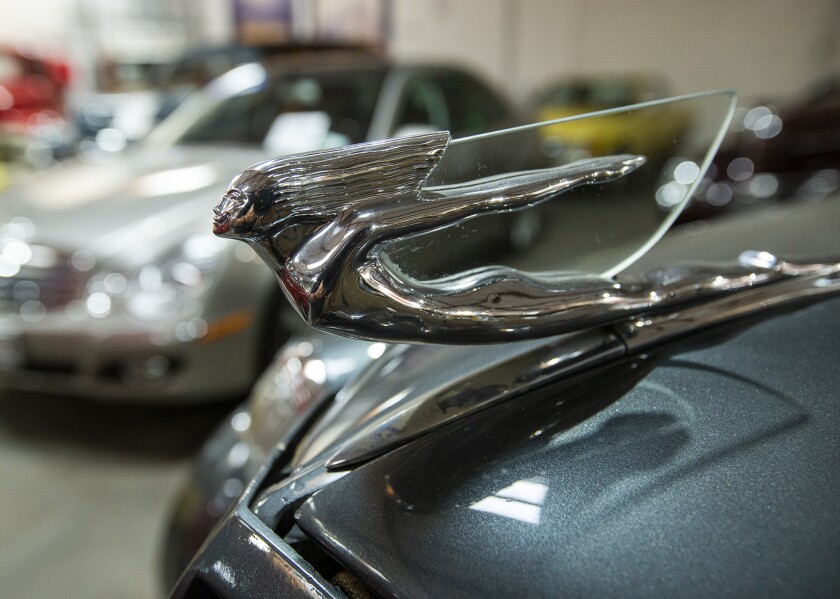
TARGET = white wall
(44,25)
(762,48)
(469,32)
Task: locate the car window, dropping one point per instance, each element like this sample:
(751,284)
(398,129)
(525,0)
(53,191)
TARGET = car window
(346,99)
(455,102)
(423,104)
(473,107)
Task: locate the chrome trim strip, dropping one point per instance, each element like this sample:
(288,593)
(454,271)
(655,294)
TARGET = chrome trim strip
(792,283)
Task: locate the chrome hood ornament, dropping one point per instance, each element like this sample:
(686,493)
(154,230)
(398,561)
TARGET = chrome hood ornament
(322,219)
(324,222)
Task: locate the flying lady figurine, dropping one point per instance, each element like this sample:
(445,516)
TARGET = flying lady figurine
(321,220)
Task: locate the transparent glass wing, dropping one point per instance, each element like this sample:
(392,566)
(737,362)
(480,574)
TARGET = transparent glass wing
(593,229)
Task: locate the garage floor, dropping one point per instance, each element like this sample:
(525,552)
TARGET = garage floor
(85,489)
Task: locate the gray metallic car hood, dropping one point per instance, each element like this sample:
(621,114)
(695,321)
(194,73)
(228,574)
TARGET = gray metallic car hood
(674,470)
(695,472)
(128,206)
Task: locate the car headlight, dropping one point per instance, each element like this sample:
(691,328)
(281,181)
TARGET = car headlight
(167,288)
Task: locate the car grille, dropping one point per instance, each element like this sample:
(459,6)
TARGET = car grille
(45,283)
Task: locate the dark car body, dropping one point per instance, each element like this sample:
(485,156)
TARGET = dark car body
(681,473)
(775,153)
(685,449)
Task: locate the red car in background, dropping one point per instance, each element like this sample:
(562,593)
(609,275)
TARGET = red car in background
(32,93)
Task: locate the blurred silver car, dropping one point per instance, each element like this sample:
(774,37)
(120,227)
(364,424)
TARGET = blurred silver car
(111,284)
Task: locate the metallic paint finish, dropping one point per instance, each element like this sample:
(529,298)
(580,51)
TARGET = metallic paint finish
(252,564)
(276,504)
(579,449)
(451,380)
(708,468)
(424,409)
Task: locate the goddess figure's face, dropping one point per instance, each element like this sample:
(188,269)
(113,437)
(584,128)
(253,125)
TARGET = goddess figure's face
(234,213)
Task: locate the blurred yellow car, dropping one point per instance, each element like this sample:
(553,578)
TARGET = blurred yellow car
(647,132)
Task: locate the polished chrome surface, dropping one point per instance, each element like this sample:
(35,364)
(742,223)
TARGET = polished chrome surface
(321,220)
(792,282)
(334,224)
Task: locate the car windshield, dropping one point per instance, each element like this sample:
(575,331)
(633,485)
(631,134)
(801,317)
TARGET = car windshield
(286,113)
